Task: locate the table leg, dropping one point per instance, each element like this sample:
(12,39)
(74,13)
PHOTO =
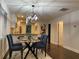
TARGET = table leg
(30,49)
(34,54)
(26,54)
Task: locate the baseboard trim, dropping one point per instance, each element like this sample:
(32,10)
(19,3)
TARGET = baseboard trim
(72,49)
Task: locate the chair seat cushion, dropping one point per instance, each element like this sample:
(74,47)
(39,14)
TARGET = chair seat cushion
(17,46)
(38,45)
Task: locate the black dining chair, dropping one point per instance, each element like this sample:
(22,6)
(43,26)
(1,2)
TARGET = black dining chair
(14,47)
(42,44)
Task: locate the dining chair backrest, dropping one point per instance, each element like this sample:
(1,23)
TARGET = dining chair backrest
(44,38)
(10,40)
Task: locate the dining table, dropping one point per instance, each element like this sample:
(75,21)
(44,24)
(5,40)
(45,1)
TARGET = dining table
(28,42)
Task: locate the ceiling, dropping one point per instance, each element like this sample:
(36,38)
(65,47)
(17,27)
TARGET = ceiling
(44,9)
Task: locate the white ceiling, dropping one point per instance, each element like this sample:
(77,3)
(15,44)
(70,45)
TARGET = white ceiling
(45,9)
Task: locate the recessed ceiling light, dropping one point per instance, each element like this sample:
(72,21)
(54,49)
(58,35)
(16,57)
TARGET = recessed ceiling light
(64,9)
(33,5)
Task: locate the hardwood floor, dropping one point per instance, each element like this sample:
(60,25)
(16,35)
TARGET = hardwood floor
(57,52)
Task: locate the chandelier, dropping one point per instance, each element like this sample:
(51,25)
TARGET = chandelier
(32,18)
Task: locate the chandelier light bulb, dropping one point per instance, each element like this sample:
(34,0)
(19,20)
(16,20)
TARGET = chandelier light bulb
(32,18)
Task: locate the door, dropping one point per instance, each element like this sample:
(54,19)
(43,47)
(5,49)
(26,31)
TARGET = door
(60,33)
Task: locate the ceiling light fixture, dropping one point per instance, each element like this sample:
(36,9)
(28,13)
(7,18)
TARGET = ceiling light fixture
(33,17)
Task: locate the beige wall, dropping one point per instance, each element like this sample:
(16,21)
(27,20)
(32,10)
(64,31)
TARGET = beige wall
(54,32)
(71,30)
(60,33)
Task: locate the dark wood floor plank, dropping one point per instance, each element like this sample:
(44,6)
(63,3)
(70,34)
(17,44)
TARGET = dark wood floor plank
(58,52)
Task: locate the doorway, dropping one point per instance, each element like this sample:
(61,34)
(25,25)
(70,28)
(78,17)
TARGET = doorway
(49,35)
